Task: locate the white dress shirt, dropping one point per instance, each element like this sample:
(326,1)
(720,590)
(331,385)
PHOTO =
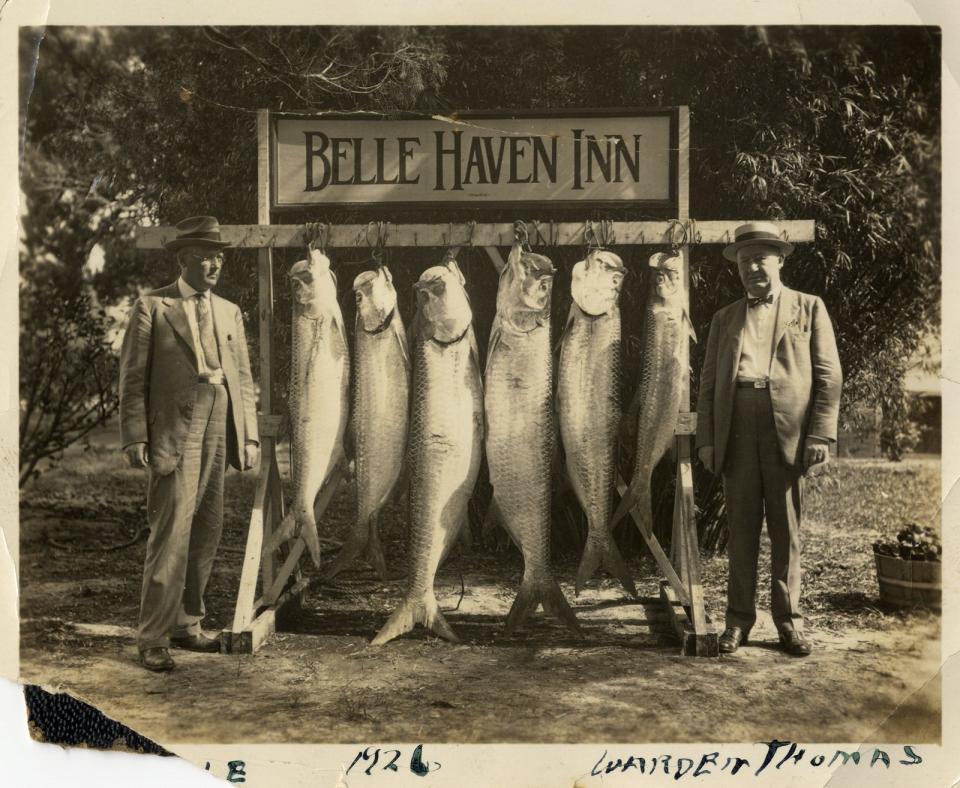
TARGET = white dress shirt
(190,304)
(756,355)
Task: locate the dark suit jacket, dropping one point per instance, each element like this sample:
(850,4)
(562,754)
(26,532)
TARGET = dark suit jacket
(158,376)
(805,376)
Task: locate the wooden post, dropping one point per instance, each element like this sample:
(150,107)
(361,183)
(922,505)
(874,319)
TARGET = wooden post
(248,628)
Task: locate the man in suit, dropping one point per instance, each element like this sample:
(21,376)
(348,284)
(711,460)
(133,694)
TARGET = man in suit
(767,413)
(187,406)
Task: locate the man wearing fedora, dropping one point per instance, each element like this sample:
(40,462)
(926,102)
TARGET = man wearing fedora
(767,413)
(187,407)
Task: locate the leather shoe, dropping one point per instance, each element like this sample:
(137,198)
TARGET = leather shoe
(731,639)
(794,643)
(200,642)
(157,659)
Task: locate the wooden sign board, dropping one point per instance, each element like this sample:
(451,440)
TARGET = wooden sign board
(586,159)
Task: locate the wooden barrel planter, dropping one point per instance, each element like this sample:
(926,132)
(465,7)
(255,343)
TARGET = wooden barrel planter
(905,583)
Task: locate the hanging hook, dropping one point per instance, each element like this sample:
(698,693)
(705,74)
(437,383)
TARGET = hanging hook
(671,230)
(473,228)
(590,237)
(311,233)
(520,234)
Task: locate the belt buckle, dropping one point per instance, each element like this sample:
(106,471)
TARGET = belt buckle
(760,383)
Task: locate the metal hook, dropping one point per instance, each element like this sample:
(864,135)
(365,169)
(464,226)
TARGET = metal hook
(473,228)
(311,232)
(367,234)
(590,237)
(520,234)
(674,223)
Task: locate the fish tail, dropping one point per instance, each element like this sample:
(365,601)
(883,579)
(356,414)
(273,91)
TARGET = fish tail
(308,532)
(604,555)
(375,550)
(411,612)
(355,544)
(534,592)
(298,523)
(627,502)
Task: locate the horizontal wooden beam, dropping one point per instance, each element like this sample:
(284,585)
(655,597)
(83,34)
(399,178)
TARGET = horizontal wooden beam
(362,236)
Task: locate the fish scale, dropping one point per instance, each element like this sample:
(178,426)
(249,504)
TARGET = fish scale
(520,431)
(445,444)
(318,398)
(379,423)
(663,372)
(588,395)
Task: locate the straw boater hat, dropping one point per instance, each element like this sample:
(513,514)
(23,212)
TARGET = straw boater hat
(197,231)
(756,233)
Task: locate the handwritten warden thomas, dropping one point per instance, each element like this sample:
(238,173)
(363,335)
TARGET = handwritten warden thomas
(186,408)
(768,409)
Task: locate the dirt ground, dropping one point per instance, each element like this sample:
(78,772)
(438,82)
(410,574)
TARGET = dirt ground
(873,675)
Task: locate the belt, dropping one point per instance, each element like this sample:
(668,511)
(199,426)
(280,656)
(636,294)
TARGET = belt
(753,383)
(213,378)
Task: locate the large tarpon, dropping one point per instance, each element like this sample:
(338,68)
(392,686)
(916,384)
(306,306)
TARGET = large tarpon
(664,372)
(588,405)
(520,429)
(319,392)
(381,387)
(445,441)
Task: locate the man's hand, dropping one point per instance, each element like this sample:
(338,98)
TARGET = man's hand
(251,454)
(706,457)
(138,455)
(816,452)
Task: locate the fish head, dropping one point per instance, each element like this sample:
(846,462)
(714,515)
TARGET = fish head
(667,276)
(444,309)
(314,284)
(526,285)
(376,297)
(596,282)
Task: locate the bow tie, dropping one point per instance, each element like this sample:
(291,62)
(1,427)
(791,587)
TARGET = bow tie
(767,299)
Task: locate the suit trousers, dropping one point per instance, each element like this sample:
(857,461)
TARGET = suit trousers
(185,515)
(757,482)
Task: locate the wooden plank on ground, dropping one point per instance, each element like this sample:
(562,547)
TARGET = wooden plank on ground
(692,643)
(345,236)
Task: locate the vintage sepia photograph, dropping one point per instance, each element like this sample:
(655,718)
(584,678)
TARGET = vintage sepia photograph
(547,384)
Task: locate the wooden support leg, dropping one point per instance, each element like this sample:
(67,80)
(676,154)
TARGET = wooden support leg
(691,624)
(659,555)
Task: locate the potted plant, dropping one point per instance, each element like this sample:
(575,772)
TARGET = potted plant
(908,568)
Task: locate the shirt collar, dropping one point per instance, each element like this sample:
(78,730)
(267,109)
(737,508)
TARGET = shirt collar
(186,291)
(775,292)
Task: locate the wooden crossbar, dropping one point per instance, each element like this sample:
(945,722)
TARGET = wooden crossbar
(541,233)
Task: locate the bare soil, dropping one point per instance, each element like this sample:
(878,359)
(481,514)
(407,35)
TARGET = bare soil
(873,675)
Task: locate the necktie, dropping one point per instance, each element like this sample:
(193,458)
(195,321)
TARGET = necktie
(767,299)
(207,340)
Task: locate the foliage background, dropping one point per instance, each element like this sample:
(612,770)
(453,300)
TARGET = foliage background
(841,125)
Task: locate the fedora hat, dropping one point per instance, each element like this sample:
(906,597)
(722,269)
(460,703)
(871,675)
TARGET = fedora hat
(197,231)
(765,233)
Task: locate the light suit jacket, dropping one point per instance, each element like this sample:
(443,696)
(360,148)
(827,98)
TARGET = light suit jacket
(805,376)
(158,376)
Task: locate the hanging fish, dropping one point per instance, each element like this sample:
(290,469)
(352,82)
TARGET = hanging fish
(664,373)
(445,441)
(381,387)
(588,405)
(319,392)
(520,428)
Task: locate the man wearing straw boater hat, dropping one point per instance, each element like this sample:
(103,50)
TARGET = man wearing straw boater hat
(767,413)
(187,406)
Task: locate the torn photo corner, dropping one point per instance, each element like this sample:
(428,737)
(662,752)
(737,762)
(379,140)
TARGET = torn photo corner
(428,542)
